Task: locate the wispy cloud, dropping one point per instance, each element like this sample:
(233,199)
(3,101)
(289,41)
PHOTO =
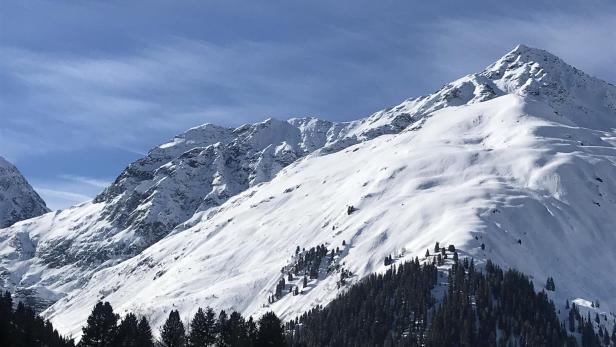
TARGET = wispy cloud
(128,100)
(68,190)
(460,46)
(94,182)
(58,199)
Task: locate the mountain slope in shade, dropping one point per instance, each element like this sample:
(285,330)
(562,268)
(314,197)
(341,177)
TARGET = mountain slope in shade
(520,158)
(18,200)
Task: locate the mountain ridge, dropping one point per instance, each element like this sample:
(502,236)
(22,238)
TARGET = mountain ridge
(560,137)
(18,200)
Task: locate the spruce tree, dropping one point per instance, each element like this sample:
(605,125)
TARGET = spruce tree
(223,336)
(173,333)
(270,333)
(127,331)
(100,328)
(143,337)
(22,327)
(6,312)
(252,332)
(202,331)
(237,330)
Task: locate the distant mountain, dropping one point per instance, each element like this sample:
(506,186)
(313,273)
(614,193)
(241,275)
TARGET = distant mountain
(18,200)
(516,163)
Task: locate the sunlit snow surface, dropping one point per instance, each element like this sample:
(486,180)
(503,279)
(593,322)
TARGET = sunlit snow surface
(520,157)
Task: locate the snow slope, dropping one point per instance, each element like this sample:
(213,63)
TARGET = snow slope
(18,201)
(45,258)
(520,157)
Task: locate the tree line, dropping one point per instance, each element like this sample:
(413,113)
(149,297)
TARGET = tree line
(407,306)
(21,326)
(411,304)
(205,329)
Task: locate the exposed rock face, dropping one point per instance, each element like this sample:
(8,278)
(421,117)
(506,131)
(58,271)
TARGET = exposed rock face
(18,200)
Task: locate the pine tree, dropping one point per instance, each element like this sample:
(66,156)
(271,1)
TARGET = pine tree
(222,329)
(270,333)
(252,332)
(572,317)
(202,329)
(23,327)
(143,337)
(127,331)
(436,247)
(6,312)
(237,330)
(100,328)
(173,333)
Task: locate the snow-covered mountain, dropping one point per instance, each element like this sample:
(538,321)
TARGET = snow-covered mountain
(193,172)
(519,158)
(18,200)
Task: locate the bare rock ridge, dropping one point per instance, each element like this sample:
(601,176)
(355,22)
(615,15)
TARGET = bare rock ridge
(18,200)
(207,165)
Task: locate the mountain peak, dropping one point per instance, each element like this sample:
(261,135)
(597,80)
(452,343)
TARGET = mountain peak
(532,57)
(524,49)
(541,75)
(18,200)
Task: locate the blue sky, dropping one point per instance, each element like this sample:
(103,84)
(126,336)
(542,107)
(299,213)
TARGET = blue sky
(86,87)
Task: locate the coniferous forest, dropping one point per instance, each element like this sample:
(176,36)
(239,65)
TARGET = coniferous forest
(411,304)
(20,326)
(488,308)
